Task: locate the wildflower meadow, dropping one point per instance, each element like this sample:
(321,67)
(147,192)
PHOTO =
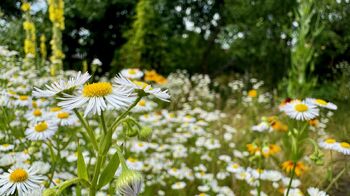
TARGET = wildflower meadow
(178,98)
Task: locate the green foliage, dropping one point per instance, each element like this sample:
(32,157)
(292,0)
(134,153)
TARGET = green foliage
(246,36)
(82,171)
(108,172)
(145,44)
(308,27)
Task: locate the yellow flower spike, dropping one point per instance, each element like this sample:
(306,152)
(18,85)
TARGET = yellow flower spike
(25,7)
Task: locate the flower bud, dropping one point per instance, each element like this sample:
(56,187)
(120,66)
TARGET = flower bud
(145,133)
(129,182)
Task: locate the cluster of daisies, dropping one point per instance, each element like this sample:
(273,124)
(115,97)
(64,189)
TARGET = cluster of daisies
(195,149)
(45,115)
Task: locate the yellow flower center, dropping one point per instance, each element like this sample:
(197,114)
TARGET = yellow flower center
(132,71)
(63,115)
(11,92)
(142,103)
(330,141)
(301,107)
(321,101)
(55,109)
(5,145)
(98,89)
(37,112)
(132,160)
(40,127)
(140,144)
(235,166)
(57,181)
(142,85)
(34,104)
(23,97)
(18,175)
(252,93)
(345,145)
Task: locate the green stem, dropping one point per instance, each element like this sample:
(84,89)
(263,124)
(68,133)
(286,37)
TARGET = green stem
(95,176)
(331,165)
(291,178)
(335,179)
(53,160)
(115,123)
(104,127)
(121,158)
(88,129)
(259,168)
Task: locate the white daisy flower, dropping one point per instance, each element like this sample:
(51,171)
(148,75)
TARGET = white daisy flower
(96,62)
(271,175)
(242,175)
(261,127)
(6,147)
(233,168)
(301,110)
(178,185)
(328,143)
(129,87)
(65,118)
(322,103)
(150,117)
(7,160)
(23,100)
(144,106)
(61,85)
(139,147)
(97,97)
(133,73)
(134,164)
(343,147)
(178,173)
(35,115)
(41,131)
(20,180)
(316,192)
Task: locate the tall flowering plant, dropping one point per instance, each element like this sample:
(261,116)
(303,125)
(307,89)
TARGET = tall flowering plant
(94,98)
(303,114)
(56,16)
(30,34)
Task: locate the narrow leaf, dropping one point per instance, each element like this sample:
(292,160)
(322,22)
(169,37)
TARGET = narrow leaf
(108,173)
(82,170)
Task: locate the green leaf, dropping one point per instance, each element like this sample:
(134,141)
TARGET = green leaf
(82,170)
(108,173)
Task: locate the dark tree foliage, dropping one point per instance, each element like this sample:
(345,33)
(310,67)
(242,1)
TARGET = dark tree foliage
(208,36)
(94,29)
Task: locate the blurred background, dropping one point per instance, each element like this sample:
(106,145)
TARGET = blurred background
(289,44)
